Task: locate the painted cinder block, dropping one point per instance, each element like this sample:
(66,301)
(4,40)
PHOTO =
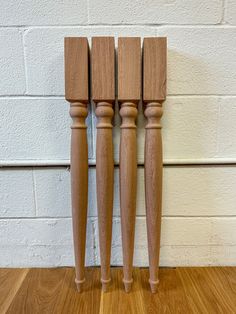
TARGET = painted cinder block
(155,12)
(40,232)
(17,193)
(44,12)
(12,73)
(188,191)
(53,194)
(200,60)
(230,12)
(37,129)
(177,248)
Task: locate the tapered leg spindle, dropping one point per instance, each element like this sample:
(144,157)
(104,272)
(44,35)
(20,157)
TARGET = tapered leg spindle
(79,186)
(105,173)
(153,187)
(129,90)
(103,94)
(76,90)
(128,183)
(154,93)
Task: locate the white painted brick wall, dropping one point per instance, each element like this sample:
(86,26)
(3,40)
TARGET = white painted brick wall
(199,201)
(155,12)
(43,12)
(230,14)
(12,74)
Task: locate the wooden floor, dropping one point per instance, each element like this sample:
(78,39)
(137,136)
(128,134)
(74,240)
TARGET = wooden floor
(181,290)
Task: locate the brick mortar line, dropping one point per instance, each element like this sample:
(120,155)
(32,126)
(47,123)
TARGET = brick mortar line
(217,25)
(25,96)
(117,217)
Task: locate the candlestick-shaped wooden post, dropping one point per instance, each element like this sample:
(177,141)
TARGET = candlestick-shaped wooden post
(154,93)
(103,94)
(76,92)
(129,91)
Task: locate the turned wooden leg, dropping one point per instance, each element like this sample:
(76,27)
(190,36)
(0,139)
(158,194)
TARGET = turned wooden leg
(154,93)
(153,187)
(129,91)
(103,94)
(128,186)
(104,177)
(79,186)
(76,92)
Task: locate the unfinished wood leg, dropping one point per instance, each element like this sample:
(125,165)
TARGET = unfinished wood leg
(79,186)
(153,187)
(103,94)
(154,93)
(76,92)
(128,183)
(129,93)
(104,176)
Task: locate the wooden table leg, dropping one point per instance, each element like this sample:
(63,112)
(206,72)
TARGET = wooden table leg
(76,92)
(128,187)
(154,93)
(79,187)
(105,178)
(103,94)
(129,93)
(153,187)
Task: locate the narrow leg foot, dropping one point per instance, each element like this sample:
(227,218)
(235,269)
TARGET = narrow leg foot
(128,285)
(153,285)
(79,284)
(105,284)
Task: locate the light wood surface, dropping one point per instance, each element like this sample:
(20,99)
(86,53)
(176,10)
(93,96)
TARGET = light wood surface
(103,94)
(129,69)
(76,90)
(103,69)
(10,283)
(129,90)
(181,290)
(154,66)
(76,69)
(154,93)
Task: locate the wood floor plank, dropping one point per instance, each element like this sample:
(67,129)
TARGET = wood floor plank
(116,300)
(70,301)
(202,292)
(39,291)
(10,282)
(170,297)
(181,290)
(54,291)
(224,279)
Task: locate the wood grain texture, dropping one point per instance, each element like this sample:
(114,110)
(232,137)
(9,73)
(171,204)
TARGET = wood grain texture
(76,69)
(53,291)
(153,187)
(129,69)
(10,282)
(103,93)
(118,301)
(104,183)
(103,69)
(154,64)
(181,290)
(76,90)
(205,291)
(170,298)
(129,82)
(79,186)
(154,90)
